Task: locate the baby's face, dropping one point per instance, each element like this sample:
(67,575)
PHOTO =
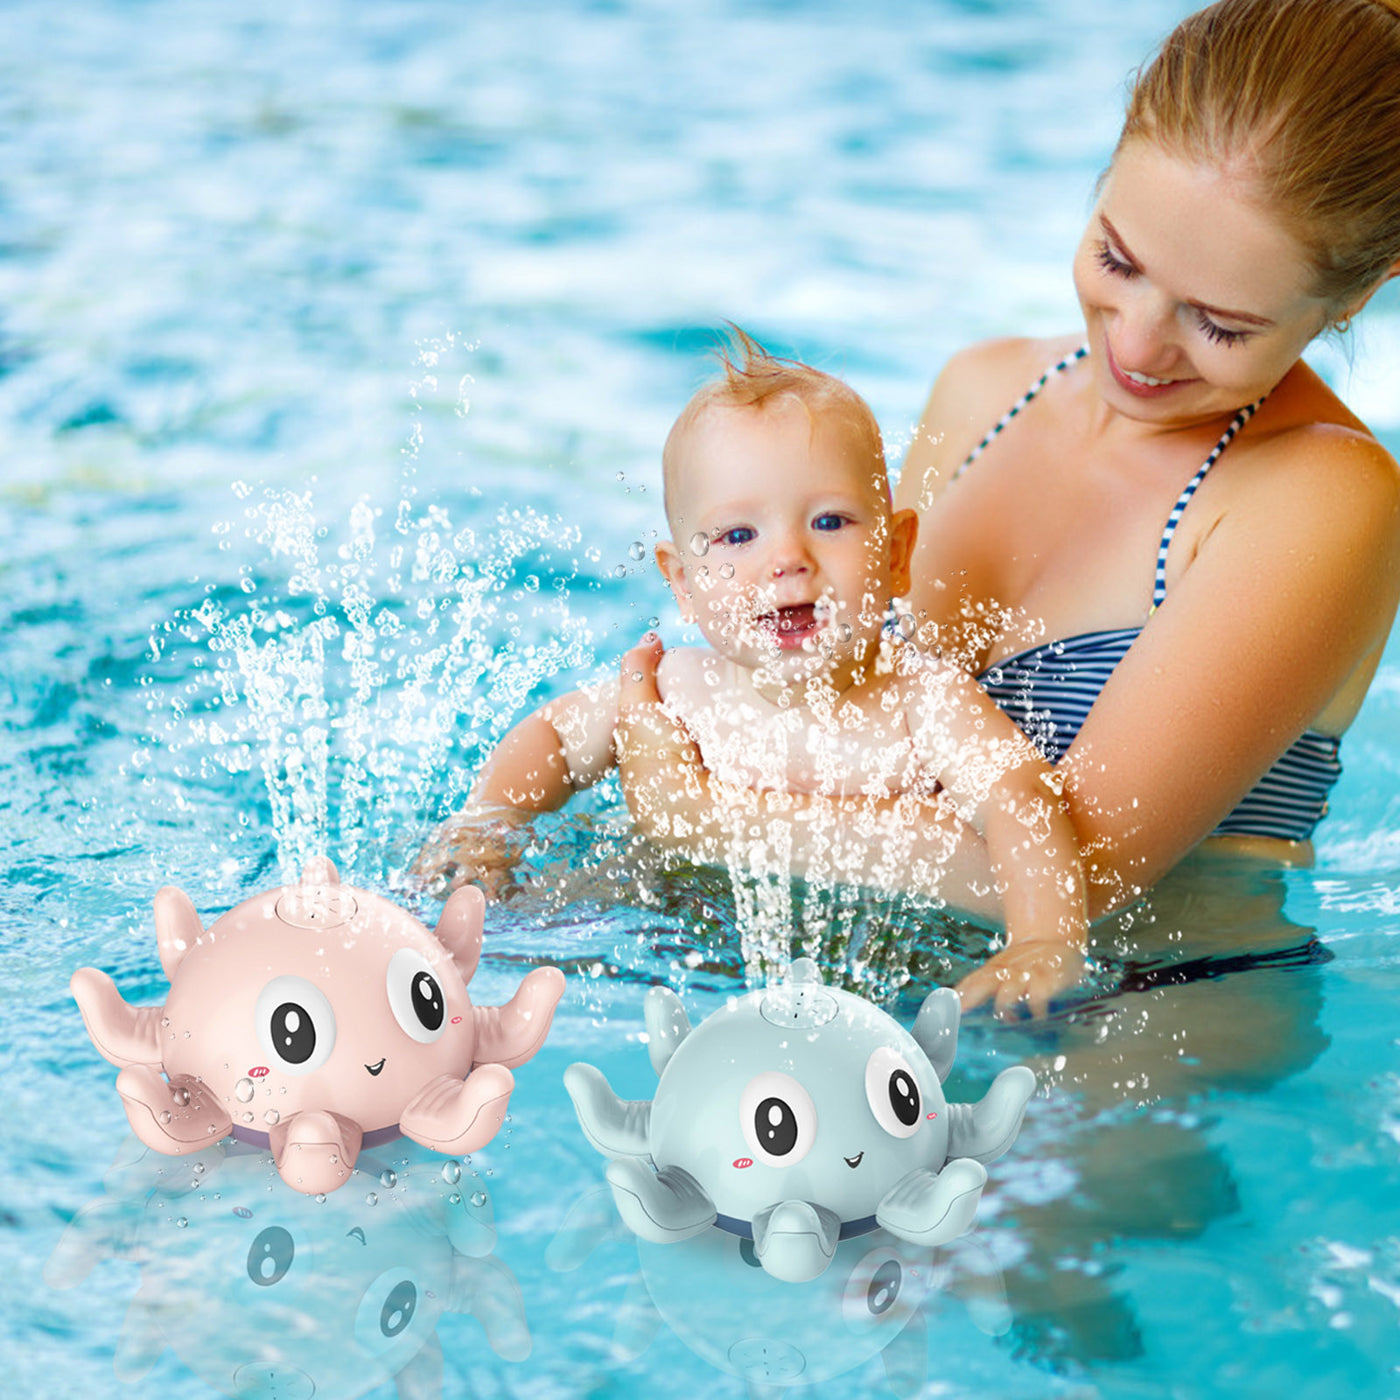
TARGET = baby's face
(786,552)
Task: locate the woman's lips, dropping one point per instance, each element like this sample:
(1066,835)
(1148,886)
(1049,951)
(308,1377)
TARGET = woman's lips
(1136,387)
(791,627)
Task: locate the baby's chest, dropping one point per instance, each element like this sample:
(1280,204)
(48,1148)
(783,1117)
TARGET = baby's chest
(834,755)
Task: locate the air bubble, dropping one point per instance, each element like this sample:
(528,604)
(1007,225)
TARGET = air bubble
(165,1115)
(243,1091)
(451,1173)
(478,1199)
(372,1199)
(180,1097)
(454,1199)
(637,550)
(181,1223)
(620,571)
(726,571)
(699,543)
(387,1179)
(272,1118)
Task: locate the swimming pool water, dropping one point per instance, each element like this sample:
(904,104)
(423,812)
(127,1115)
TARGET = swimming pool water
(432,279)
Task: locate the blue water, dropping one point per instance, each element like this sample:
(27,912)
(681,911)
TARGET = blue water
(292,298)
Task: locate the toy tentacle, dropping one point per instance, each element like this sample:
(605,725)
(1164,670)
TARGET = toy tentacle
(613,1126)
(488,1290)
(932,1208)
(459,1116)
(983,1131)
(795,1240)
(511,1034)
(174,1116)
(591,1221)
(906,1359)
(936,1029)
(142,1340)
(121,1033)
(177,927)
(667,1025)
(662,1206)
(315,1151)
(421,1379)
(459,928)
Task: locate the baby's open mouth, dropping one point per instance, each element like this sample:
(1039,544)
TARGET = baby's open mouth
(792,626)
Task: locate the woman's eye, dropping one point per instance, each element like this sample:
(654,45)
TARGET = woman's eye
(740,534)
(1218,334)
(829,521)
(1111,262)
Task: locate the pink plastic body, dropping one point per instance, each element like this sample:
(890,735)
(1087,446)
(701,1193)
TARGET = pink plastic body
(315,1018)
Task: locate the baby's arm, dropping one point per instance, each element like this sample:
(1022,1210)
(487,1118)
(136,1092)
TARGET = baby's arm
(1000,785)
(563,747)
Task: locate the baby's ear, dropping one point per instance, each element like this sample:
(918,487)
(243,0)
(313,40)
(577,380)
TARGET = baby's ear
(668,560)
(904,531)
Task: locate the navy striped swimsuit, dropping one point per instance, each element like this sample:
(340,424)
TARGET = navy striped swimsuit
(1049,689)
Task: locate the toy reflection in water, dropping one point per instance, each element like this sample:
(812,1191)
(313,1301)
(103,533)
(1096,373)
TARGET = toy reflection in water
(711,1291)
(263,1291)
(799,1116)
(316,1020)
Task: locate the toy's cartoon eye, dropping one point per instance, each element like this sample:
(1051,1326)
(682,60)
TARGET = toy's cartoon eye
(779,1121)
(387,1310)
(879,1292)
(270,1256)
(296,1025)
(416,997)
(893,1093)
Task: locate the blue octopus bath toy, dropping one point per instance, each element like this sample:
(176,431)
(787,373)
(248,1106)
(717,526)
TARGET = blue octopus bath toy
(798,1116)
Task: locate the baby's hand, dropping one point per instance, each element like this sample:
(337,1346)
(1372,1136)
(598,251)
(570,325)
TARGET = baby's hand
(1030,971)
(475,848)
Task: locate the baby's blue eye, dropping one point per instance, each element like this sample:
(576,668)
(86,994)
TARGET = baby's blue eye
(830,521)
(740,534)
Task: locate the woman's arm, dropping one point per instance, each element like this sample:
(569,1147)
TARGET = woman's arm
(1283,609)
(999,783)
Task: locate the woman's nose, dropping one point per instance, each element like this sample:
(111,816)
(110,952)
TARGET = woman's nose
(1145,338)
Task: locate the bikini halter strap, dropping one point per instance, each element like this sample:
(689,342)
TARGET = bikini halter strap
(1159,582)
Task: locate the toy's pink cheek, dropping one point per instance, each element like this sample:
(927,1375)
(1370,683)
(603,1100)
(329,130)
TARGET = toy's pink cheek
(456,1020)
(742,1162)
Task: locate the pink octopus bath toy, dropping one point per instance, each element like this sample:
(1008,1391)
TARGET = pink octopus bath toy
(317,1019)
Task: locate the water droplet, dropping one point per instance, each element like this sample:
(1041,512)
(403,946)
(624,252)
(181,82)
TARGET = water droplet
(180,1097)
(454,1199)
(372,1199)
(248,1117)
(320,1197)
(387,1179)
(243,1091)
(637,550)
(478,1199)
(164,1022)
(181,1223)
(620,571)
(272,1118)
(653,622)
(726,571)
(845,631)
(451,1173)
(198,1168)
(699,543)
(907,625)
(165,1115)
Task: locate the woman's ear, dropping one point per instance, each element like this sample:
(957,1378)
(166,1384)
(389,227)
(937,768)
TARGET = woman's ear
(668,560)
(904,532)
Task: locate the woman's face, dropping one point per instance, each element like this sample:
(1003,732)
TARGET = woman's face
(1196,299)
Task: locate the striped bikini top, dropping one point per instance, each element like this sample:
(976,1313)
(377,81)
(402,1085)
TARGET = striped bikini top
(1048,690)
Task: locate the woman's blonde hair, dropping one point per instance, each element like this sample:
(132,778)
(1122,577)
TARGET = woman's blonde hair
(1304,95)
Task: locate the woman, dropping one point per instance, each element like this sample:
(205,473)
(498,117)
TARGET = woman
(1175,561)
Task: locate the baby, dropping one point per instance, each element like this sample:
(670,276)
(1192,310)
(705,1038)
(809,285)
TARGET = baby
(786,552)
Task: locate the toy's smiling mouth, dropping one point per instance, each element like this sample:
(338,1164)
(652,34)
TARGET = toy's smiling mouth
(374,1069)
(854,1162)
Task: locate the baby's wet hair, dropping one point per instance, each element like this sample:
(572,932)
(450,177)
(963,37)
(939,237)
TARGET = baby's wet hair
(752,377)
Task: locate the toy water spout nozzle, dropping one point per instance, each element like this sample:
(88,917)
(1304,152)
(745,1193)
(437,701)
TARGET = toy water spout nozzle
(318,901)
